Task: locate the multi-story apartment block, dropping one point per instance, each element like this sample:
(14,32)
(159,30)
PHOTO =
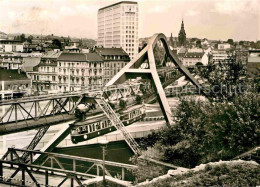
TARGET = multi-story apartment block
(219,56)
(47,72)
(224,46)
(114,60)
(77,71)
(118,27)
(10,60)
(11,46)
(15,60)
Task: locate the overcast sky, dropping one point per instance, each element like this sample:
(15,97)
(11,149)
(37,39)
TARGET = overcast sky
(213,19)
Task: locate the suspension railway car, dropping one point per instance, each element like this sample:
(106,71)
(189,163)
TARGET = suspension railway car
(99,124)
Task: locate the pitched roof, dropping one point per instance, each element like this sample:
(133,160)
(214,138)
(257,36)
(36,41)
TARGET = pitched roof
(52,54)
(111,51)
(7,75)
(10,41)
(79,57)
(93,57)
(182,50)
(30,63)
(74,57)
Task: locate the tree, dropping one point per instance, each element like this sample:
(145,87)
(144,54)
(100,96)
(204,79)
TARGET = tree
(223,77)
(22,38)
(241,43)
(209,131)
(198,43)
(230,41)
(257,44)
(30,38)
(56,43)
(199,64)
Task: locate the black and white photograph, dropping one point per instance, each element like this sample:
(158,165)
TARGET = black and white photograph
(138,93)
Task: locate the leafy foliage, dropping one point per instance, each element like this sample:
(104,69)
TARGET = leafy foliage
(20,37)
(56,44)
(30,38)
(208,131)
(224,78)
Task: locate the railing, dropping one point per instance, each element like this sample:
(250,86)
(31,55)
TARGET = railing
(80,169)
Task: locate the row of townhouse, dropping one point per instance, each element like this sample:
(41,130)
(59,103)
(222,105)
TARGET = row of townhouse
(64,72)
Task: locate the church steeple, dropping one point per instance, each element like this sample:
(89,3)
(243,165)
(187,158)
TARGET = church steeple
(182,24)
(171,41)
(182,35)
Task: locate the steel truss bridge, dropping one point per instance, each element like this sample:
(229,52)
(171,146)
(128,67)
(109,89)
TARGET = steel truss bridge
(54,165)
(47,110)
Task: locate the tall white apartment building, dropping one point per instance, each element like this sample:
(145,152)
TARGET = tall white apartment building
(118,26)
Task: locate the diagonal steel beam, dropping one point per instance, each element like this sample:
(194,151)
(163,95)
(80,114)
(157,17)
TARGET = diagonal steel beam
(8,110)
(25,111)
(14,174)
(32,177)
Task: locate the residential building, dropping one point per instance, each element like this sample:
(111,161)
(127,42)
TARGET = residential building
(14,60)
(118,27)
(11,46)
(192,58)
(181,52)
(45,75)
(77,71)
(218,56)
(9,60)
(30,67)
(114,60)
(3,36)
(224,46)
(14,84)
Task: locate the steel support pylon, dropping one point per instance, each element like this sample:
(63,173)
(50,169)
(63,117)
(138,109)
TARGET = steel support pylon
(132,70)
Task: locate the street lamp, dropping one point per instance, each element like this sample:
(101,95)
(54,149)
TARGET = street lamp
(103,144)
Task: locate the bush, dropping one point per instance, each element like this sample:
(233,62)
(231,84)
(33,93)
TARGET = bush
(209,131)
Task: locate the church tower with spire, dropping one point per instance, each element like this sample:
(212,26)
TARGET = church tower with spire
(182,35)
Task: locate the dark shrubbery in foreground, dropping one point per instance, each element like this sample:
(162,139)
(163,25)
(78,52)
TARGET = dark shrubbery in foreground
(208,131)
